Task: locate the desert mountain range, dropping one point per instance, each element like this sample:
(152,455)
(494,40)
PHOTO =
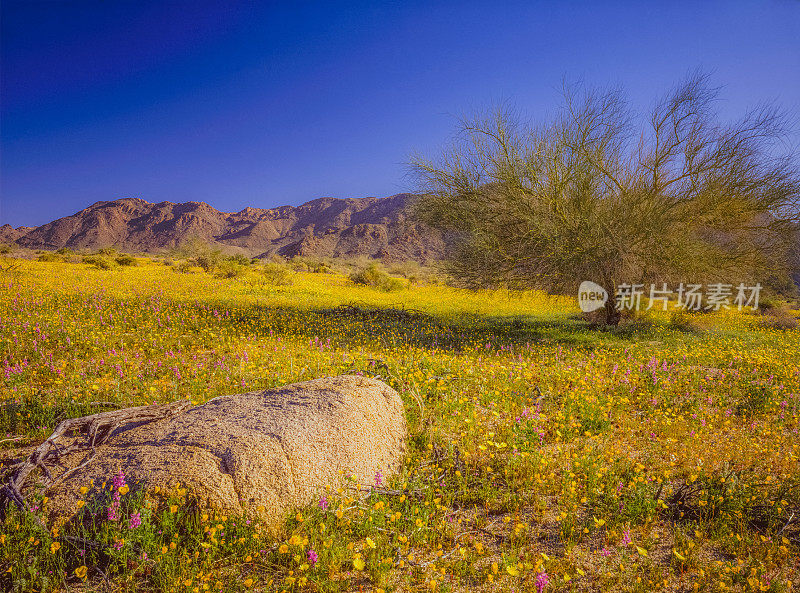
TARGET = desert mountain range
(326,227)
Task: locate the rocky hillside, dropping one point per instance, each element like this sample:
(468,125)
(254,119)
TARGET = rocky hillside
(8,234)
(326,227)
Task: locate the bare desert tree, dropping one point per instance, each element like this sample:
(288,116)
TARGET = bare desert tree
(600,194)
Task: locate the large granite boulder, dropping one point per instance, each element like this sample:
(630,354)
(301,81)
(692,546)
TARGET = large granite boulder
(262,453)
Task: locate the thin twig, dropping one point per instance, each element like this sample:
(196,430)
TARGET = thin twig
(51,450)
(791,517)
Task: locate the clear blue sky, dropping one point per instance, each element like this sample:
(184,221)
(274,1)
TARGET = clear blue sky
(270,103)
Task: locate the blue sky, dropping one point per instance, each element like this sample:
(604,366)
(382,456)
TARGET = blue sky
(270,103)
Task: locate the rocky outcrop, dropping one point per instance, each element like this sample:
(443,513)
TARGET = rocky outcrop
(8,234)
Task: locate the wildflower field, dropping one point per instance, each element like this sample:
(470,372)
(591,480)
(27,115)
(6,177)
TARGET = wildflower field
(544,454)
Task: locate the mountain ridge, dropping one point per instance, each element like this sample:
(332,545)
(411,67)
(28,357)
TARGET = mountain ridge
(381,228)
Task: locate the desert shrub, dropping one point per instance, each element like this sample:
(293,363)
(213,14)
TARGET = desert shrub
(6,248)
(168,261)
(209,261)
(239,259)
(228,269)
(49,257)
(406,269)
(107,251)
(414,272)
(184,267)
(65,251)
(369,276)
(392,284)
(302,264)
(277,275)
(126,260)
(98,261)
(377,278)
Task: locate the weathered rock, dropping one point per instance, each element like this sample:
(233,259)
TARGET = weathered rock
(262,453)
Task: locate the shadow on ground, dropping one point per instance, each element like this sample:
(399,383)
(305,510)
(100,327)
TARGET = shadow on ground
(356,323)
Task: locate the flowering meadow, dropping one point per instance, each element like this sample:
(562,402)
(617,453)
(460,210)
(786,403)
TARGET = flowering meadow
(544,454)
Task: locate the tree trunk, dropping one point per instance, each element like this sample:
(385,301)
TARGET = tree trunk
(613,314)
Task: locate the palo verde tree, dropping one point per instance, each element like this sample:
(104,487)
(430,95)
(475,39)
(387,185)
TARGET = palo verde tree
(599,193)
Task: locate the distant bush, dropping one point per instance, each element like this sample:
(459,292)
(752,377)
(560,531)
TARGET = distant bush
(49,257)
(377,278)
(302,264)
(98,261)
(126,260)
(208,261)
(228,269)
(277,274)
(414,272)
(183,267)
(65,251)
(239,259)
(107,251)
(6,248)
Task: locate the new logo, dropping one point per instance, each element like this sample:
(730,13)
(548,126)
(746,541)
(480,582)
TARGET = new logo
(591,296)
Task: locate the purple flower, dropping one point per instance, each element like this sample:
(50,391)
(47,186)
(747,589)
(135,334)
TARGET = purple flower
(378,478)
(118,481)
(135,520)
(312,556)
(542,580)
(323,503)
(626,538)
(112,514)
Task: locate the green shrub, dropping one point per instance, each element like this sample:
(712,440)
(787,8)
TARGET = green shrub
(277,275)
(6,248)
(98,261)
(302,264)
(228,269)
(209,261)
(377,278)
(49,257)
(127,260)
(239,259)
(65,251)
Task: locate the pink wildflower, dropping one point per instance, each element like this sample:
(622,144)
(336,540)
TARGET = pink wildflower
(542,580)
